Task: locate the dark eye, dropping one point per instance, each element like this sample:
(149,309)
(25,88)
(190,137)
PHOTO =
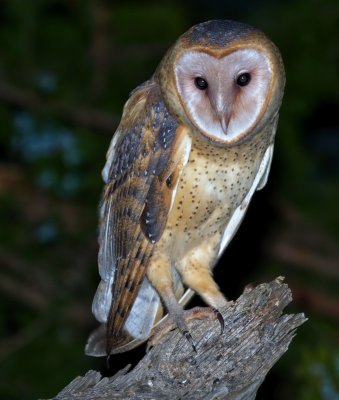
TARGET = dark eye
(244,79)
(200,83)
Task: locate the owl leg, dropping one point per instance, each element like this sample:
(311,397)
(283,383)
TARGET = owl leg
(196,271)
(205,286)
(159,274)
(198,277)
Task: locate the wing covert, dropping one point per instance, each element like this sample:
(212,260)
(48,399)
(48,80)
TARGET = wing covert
(142,159)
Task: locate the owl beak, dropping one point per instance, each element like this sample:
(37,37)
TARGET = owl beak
(222,106)
(223,112)
(224,123)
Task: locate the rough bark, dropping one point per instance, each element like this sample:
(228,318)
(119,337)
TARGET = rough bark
(230,366)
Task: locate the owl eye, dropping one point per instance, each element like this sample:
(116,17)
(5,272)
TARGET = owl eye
(244,79)
(200,83)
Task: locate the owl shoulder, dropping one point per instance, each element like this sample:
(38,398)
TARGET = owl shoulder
(145,120)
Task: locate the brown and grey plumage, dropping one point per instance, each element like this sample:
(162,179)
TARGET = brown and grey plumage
(193,145)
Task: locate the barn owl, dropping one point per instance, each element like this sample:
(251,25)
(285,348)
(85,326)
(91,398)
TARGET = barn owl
(193,145)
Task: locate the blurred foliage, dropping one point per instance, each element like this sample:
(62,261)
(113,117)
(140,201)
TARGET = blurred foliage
(72,53)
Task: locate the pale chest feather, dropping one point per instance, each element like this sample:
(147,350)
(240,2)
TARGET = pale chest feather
(213,184)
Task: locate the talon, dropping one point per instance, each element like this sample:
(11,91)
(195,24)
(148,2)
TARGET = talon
(107,361)
(188,336)
(148,346)
(220,319)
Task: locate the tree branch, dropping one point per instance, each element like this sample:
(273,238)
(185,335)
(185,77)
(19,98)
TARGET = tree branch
(75,115)
(230,366)
(301,243)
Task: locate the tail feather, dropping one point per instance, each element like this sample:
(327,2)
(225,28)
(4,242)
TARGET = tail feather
(125,293)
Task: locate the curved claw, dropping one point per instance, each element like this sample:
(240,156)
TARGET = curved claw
(220,319)
(107,361)
(188,336)
(148,346)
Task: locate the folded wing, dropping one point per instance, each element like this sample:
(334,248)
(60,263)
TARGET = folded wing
(147,151)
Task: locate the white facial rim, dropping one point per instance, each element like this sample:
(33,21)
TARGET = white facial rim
(245,105)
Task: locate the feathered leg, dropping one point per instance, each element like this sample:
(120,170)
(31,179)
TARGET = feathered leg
(159,274)
(195,270)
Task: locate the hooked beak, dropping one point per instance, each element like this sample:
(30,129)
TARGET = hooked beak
(222,106)
(224,120)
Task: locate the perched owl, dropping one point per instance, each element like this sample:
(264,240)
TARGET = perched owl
(193,145)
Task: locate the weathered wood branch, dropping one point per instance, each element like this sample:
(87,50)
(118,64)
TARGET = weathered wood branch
(230,366)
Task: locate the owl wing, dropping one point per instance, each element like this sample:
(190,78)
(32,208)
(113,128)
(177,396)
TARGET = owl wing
(144,164)
(239,213)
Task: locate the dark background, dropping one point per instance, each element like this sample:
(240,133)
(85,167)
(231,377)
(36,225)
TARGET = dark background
(66,68)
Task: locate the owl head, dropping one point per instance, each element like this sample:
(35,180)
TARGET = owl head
(224,79)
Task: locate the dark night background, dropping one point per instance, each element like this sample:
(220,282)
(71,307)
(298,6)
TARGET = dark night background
(66,68)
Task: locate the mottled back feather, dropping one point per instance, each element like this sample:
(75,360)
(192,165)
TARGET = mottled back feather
(135,205)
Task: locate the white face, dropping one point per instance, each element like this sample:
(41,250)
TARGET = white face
(226,97)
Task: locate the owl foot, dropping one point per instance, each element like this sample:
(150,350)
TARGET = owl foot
(205,313)
(179,321)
